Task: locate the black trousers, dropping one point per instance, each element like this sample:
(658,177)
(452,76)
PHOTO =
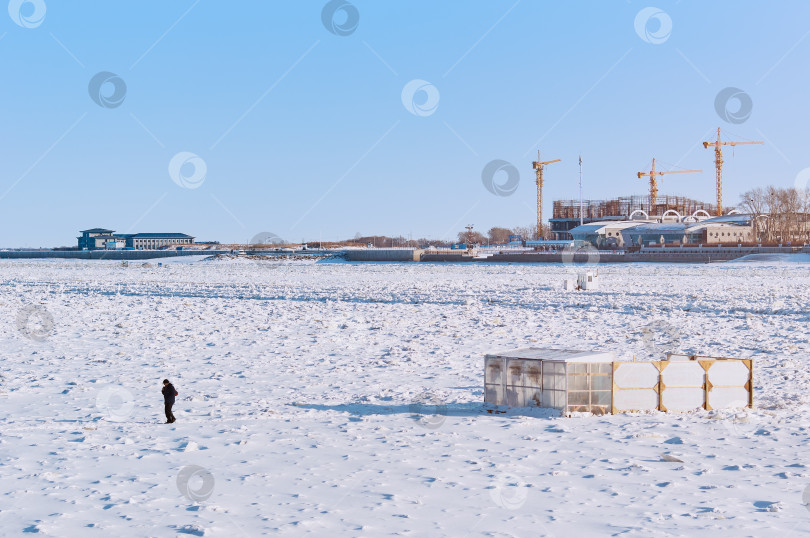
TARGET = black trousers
(169,414)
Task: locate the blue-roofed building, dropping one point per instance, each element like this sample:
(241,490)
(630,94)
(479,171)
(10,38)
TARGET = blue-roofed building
(102,238)
(156,240)
(606,234)
(659,232)
(728,229)
(95,238)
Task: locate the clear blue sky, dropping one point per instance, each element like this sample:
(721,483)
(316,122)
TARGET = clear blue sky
(303,132)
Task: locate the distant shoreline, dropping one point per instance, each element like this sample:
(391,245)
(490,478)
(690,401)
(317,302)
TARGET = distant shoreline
(581,258)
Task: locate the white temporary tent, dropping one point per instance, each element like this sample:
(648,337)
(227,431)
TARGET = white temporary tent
(564,379)
(593,381)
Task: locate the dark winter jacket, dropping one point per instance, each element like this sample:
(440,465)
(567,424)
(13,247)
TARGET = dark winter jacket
(169,393)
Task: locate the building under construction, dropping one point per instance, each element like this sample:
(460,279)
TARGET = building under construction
(568,214)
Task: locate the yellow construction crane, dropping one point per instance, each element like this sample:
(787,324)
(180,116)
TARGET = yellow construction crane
(654,181)
(538,168)
(718,164)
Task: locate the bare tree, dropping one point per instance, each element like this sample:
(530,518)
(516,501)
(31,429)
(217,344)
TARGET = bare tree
(778,214)
(499,235)
(754,202)
(804,198)
(425,242)
(471,238)
(526,232)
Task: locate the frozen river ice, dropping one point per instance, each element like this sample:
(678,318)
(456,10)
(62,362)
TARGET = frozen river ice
(346,399)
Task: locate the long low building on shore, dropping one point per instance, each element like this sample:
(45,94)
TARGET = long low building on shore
(728,229)
(104,239)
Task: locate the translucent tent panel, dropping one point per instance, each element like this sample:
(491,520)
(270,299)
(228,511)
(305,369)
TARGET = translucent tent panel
(553,375)
(494,381)
(589,387)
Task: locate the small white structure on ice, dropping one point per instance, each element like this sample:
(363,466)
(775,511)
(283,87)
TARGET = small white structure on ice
(588,280)
(594,381)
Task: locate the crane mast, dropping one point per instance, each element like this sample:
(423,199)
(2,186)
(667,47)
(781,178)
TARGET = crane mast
(654,182)
(718,164)
(538,169)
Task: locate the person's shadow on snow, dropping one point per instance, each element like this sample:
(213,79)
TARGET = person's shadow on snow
(430,411)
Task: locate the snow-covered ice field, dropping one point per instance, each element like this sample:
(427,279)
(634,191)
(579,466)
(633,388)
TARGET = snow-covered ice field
(299,400)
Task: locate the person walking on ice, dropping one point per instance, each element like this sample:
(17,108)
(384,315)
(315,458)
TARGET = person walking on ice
(169,393)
